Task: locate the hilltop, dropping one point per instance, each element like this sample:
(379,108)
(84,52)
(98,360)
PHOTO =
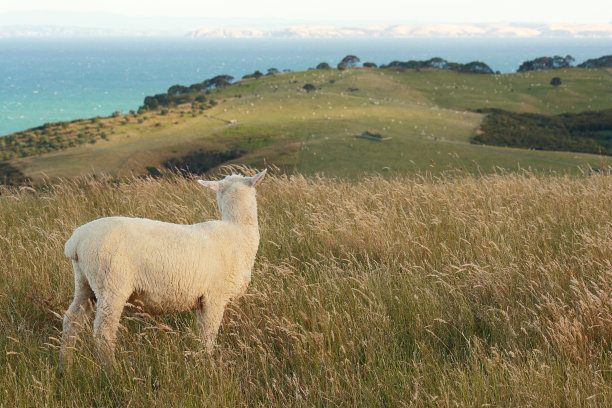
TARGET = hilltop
(427,117)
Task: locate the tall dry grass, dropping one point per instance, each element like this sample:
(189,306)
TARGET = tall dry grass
(459,291)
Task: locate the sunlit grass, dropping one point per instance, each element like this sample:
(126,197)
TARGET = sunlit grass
(405,291)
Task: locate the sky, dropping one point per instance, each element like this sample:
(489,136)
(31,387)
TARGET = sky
(335,11)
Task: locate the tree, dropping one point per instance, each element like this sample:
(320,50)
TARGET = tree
(348,61)
(309,87)
(369,65)
(323,65)
(543,63)
(175,90)
(196,87)
(219,81)
(256,75)
(151,102)
(475,67)
(273,71)
(605,61)
(437,62)
(556,81)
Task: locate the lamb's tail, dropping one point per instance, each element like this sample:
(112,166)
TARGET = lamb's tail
(70,248)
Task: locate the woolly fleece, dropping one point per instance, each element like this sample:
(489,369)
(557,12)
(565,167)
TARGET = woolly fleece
(161,267)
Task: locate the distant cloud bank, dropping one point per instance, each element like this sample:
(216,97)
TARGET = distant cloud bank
(406,31)
(319,31)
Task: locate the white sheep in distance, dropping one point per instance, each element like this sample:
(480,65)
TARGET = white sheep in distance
(162,267)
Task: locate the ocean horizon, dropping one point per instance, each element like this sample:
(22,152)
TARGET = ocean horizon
(57,79)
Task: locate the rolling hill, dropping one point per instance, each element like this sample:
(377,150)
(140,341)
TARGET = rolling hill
(429,116)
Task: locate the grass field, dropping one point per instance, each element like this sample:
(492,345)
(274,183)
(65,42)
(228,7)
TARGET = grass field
(491,290)
(427,114)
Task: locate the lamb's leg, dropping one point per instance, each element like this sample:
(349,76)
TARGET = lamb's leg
(74,318)
(210,314)
(106,323)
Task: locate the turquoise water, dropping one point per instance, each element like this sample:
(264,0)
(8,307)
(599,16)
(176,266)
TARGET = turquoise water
(48,80)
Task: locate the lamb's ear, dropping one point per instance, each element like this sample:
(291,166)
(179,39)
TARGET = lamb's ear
(256,179)
(213,185)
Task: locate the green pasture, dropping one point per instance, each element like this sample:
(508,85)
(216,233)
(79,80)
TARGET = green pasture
(429,115)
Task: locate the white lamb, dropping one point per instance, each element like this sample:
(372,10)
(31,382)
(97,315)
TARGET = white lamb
(162,267)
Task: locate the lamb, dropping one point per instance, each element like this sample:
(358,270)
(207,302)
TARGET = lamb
(162,267)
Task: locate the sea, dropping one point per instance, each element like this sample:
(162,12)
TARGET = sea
(57,79)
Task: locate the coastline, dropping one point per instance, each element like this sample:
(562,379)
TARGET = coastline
(62,79)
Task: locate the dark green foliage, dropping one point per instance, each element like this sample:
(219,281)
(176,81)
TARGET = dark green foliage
(273,71)
(309,87)
(196,87)
(348,61)
(219,81)
(542,63)
(323,65)
(370,65)
(474,67)
(605,61)
(179,94)
(200,161)
(159,100)
(257,74)
(175,90)
(556,81)
(587,132)
(10,175)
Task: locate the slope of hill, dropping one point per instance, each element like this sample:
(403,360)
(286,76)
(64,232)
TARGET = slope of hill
(429,116)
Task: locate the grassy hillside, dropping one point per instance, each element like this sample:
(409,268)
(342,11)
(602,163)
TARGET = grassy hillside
(408,291)
(427,113)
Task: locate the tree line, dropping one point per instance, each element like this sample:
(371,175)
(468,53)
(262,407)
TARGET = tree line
(179,94)
(557,62)
(586,132)
(474,67)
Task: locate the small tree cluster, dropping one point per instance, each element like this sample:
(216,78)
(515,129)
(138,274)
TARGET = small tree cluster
(474,67)
(348,61)
(544,63)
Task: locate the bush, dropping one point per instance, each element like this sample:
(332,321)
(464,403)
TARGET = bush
(545,63)
(309,87)
(587,132)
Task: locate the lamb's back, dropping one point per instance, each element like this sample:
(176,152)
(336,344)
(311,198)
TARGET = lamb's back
(155,256)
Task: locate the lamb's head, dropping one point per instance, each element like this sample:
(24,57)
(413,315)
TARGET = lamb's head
(236,196)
